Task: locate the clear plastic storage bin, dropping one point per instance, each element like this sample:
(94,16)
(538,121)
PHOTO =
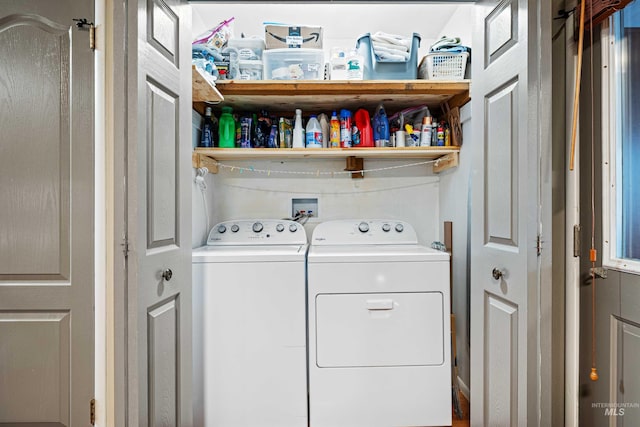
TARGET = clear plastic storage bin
(293,64)
(375,69)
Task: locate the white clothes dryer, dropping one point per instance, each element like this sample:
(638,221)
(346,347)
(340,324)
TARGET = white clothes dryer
(249,325)
(379,327)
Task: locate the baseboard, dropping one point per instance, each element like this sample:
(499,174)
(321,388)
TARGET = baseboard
(464,389)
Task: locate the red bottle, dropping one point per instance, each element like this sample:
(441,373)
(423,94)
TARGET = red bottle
(363,123)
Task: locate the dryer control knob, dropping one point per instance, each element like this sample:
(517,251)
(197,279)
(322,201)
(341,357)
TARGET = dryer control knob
(399,228)
(280,228)
(235,228)
(363,227)
(386,227)
(222,229)
(257,227)
(293,228)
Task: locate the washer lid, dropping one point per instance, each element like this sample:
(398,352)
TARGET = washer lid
(374,253)
(275,253)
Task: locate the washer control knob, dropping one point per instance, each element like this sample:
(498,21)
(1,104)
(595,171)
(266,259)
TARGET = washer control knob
(386,227)
(399,228)
(257,227)
(235,228)
(363,227)
(221,229)
(279,228)
(293,228)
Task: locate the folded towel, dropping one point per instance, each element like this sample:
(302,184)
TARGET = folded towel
(384,53)
(389,47)
(391,39)
(445,42)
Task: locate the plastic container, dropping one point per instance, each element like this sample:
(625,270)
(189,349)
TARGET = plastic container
(375,69)
(298,130)
(226,129)
(293,64)
(381,128)
(355,64)
(313,133)
(363,123)
(206,139)
(334,132)
(444,66)
(248,48)
(250,70)
(345,128)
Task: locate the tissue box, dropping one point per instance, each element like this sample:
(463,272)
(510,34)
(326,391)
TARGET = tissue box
(283,36)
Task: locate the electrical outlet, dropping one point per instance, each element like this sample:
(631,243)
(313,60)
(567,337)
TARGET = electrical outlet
(308,206)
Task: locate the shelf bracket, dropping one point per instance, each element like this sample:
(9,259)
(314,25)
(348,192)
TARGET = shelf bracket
(203,161)
(355,164)
(445,162)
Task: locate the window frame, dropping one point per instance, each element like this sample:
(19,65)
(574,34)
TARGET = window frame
(611,152)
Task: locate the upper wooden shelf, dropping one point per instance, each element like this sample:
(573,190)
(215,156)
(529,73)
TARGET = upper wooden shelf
(328,95)
(202,90)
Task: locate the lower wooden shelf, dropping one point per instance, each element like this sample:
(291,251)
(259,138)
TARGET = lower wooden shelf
(447,157)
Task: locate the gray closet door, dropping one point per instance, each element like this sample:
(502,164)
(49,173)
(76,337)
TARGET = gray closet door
(46,214)
(159,213)
(510,203)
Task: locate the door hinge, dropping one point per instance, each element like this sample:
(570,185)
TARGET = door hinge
(83,23)
(92,415)
(576,241)
(125,247)
(538,245)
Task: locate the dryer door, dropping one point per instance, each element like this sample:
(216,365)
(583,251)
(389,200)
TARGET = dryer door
(379,329)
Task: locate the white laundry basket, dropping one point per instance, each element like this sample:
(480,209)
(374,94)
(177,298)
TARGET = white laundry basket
(444,66)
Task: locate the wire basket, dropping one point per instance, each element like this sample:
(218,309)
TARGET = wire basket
(446,65)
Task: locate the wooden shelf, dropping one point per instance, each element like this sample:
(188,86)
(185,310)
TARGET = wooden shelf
(201,89)
(447,156)
(328,95)
(325,96)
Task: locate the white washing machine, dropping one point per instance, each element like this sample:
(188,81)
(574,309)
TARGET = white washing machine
(379,325)
(249,325)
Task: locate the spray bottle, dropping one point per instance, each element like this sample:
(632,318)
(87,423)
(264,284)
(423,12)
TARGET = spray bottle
(298,130)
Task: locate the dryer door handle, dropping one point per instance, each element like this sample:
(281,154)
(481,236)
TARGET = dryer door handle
(379,304)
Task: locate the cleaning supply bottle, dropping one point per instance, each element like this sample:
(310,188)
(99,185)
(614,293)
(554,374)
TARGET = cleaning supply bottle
(345,128)
(324,125)
(355,70)
(425,132)
(334,133)
(440,135)
(298,130)
(227,129)
(314,133)
(381,127)
(363,123)
(206,139)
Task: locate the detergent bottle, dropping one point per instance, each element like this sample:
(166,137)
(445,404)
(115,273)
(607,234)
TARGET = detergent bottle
(363,123)
(334,133)
(314,133)
(380,127)
(226,129)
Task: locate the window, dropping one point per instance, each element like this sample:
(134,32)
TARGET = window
(621,141)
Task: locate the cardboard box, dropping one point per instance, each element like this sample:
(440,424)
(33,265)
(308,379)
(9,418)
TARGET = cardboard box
(284,36)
